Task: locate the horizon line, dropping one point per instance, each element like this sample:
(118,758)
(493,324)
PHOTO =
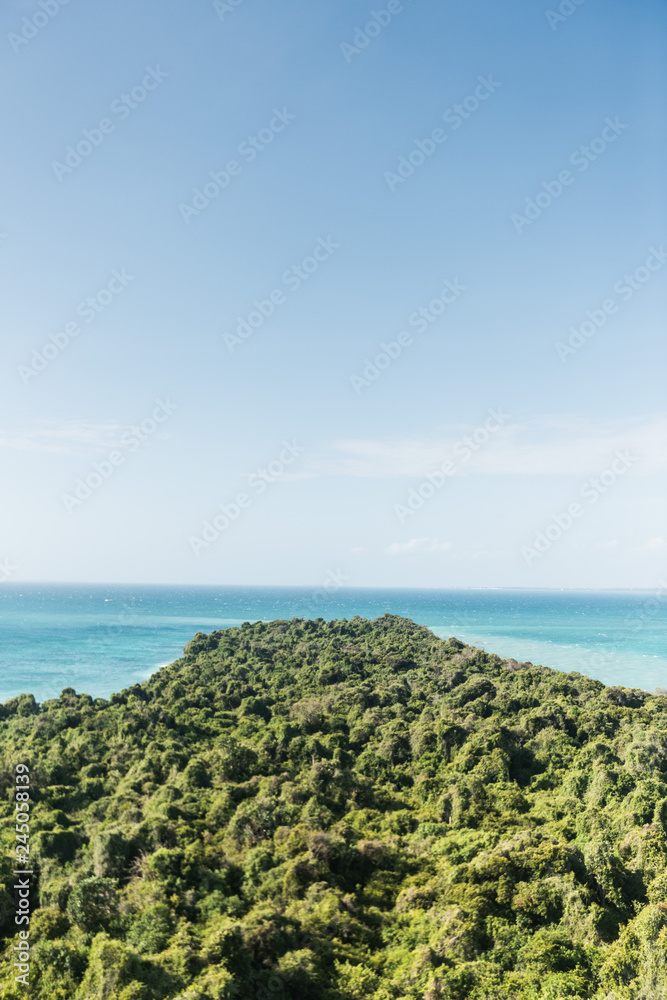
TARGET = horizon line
(332,592)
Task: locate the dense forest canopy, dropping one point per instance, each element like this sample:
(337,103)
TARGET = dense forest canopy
(345,810)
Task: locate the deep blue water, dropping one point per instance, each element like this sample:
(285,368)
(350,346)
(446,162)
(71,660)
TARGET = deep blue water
(100,639)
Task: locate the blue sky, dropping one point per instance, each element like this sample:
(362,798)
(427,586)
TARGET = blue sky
(530,145)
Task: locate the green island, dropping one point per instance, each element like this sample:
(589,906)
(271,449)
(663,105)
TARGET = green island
(346,810)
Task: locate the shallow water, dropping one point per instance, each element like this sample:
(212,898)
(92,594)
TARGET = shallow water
(100,639)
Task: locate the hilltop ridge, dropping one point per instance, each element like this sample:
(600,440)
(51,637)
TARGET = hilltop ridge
(346,810)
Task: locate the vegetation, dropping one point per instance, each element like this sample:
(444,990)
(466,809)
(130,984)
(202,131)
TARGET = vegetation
(349,810)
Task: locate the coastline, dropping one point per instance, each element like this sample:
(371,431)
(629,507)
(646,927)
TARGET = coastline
(254,813)
(474,648)
(102,639)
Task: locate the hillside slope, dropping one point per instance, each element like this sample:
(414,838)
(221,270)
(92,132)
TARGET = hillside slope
(349,810)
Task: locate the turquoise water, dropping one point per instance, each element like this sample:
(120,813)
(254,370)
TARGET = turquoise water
(99,639)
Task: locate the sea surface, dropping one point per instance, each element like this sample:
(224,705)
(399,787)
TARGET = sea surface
(100,639)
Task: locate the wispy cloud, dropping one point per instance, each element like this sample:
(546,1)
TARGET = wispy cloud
(549,446)
(63,437)
(68,437)
(417,545)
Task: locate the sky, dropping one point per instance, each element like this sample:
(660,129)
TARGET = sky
(299,292)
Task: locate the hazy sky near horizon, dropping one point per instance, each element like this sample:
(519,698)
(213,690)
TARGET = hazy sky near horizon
(380,288)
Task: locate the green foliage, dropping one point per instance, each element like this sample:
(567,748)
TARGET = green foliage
(348,810)
(93,903)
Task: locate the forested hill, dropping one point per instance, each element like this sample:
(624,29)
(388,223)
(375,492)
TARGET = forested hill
(349,810)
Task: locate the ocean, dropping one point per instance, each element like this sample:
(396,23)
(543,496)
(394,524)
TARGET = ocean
(100,639)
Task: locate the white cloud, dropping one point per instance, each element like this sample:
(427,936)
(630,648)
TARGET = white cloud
(655,543)
(63,437)
(68,437)
(547,446)
(417,545)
